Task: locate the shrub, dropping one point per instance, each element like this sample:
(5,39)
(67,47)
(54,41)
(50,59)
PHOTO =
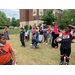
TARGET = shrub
(25,27)
(30,27)
(2,27)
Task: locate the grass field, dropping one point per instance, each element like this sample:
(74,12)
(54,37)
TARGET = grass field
(42,56)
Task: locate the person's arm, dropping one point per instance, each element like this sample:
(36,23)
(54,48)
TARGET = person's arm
(57,38)
(72,27)
(24,35)
(74,30)
(13,56)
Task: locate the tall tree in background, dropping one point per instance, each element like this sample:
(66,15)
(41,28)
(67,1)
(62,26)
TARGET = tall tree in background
(67,15)
(13,22)
(49,17)
(2,21)
(18,22)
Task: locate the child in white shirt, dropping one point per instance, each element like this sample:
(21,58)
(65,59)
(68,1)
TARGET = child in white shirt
(26,36)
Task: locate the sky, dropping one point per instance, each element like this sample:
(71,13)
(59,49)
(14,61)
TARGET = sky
(11,13)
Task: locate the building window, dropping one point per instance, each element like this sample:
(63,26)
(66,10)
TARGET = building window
(40,18)
(22,19)
(21,9)
(34,17)
(34,11)
(40,24)
(41,11)
(57,11)
(22,14)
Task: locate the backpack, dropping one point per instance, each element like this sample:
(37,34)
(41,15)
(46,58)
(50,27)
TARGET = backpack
(33,31)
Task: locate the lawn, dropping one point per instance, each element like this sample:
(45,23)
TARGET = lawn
(42,56)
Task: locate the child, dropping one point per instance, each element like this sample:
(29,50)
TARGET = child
(50,36)
(41,34)
(6,52)
(26,35)
(65,47)
(22,37)
(33,30)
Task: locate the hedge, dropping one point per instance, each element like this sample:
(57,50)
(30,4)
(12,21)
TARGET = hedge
(2,27)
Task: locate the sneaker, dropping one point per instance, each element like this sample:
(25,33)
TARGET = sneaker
(44,43)
(66,63)
(61,63)
(53,48)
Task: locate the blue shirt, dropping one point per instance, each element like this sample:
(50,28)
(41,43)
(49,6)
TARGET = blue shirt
(28,31)
(41,31)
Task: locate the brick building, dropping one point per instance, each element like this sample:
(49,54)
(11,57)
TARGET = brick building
(33,16)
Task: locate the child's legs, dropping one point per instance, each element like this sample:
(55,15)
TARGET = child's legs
(68,52)
(39,37)
(46,37)
(50,38)
(23,41)
(28,37)
(62,51)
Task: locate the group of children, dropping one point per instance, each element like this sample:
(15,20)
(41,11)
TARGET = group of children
(7,56)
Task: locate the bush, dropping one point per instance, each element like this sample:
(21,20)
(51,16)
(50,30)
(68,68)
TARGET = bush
(25,27)
(30,27)
(2,27)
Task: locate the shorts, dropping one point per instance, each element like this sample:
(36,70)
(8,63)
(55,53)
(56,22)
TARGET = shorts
(9,63)
(26,37)
(66,52)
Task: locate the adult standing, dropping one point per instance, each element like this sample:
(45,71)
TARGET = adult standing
(5,31)
(41,34)
(50,35)
(55,34)
(45,33)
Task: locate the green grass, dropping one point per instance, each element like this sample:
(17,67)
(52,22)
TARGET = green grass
(11,31)
(42,56)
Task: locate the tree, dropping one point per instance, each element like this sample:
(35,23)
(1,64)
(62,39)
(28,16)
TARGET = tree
(30,27)
(2,21)
(62,24)
(67,15)
(13,22)
(49,17)
(18,22)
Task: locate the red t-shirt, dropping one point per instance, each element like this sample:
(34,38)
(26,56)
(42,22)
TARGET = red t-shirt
(5,54)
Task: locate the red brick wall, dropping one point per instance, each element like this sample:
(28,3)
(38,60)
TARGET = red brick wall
(28,15)
(24,17)
(31,18)
(59,18)
(37,16)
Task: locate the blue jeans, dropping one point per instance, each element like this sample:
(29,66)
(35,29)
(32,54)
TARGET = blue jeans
(9,63)
(22,41)
(50,37)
